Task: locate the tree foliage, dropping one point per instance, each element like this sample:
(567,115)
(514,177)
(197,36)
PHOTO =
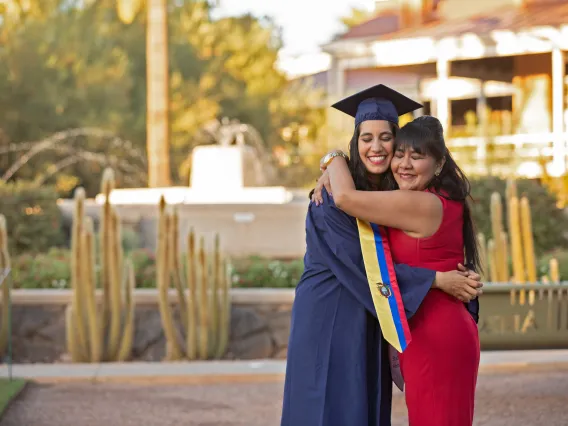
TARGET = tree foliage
(73,63)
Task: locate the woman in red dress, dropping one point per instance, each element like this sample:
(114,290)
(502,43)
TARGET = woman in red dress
(430,226)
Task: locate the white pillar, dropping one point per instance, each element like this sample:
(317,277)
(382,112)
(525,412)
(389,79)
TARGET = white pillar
(558,166)
(336,90)
(483,129)
(442,101)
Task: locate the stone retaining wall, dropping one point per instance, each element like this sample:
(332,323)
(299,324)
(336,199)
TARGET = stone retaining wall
(260,325)
(260,322)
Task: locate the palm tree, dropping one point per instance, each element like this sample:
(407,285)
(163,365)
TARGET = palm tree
(157,85)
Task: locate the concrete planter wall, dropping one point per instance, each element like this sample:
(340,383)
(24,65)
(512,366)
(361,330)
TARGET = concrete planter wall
(540,322)
(260,321)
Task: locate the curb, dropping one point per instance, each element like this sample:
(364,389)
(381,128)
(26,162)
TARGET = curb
(149,380)
(252,371)
(527,367)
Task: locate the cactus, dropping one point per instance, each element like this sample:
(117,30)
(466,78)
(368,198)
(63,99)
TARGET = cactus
(522,250)
(554,271)
(191,277)
(492,261)
(483,253)
(87,323)
(516,241)
(204,297)
(203,300)
(516,245)
(528,240)
(174,350)
(4,265)
(500,243)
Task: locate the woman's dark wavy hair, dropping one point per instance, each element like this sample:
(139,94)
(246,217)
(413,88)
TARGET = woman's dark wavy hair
(363,180)
(425,135)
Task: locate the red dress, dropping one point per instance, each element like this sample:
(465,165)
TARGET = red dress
(441,362)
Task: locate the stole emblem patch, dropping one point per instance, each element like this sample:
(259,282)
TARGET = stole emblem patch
(384,289)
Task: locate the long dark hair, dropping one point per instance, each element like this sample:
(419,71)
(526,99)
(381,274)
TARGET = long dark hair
(363,180)
(425,135)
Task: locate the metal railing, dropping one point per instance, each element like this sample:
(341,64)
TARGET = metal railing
(6,280)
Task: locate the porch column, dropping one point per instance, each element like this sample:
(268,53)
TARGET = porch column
(558,166)
(482,129)
(442,101)
(337,122)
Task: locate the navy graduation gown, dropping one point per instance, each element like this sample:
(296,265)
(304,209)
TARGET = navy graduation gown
(338,371)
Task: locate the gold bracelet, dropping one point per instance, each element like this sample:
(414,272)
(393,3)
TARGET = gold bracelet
(328,158)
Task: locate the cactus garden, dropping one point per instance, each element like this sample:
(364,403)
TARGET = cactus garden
(175,302)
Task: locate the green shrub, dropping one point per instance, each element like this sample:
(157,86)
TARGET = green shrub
(52,270)
(42,270)
(259,272)
(32,215)
(549,222)
(130,240)
(144,263)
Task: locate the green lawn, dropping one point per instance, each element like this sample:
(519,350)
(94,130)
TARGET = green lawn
(8,390)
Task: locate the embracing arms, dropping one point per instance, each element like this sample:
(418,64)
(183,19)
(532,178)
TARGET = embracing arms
(412,211)
(335,240)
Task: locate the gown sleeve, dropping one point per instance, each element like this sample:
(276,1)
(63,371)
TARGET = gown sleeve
(337,240)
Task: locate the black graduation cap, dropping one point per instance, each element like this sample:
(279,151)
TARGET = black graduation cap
(376,103)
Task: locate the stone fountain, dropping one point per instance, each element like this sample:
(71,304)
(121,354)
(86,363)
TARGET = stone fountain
(228,193)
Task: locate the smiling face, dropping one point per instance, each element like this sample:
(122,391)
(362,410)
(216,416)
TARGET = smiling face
(412,170)
(375,145)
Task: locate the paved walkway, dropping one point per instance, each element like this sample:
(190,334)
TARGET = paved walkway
(515,388)
(222,371)
(512,397)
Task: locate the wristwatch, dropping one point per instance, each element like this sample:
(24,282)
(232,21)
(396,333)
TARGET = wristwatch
(327,158)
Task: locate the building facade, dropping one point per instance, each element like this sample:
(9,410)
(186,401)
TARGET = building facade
(492,71)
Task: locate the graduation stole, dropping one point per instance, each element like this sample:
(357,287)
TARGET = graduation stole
(383,284)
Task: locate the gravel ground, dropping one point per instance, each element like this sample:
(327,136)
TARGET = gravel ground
(503,399)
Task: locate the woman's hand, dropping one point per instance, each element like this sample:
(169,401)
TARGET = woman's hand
(323,182)
(463,284)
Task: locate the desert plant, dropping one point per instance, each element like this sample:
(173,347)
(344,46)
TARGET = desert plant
(202,291)
(4,268)
(522,252)
(99,331)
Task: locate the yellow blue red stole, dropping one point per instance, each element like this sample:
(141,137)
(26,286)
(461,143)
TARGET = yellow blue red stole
(383,284)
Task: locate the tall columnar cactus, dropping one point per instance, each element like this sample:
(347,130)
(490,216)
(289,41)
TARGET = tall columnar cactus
(516,240)
(516,245)
(554,270)
(4,266)
(99,332)
(492,260)
(483,253)
(499,239)
(203,299)
(521,238)
(174,349)
(528,240)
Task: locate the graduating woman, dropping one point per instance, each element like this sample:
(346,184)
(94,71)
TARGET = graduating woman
(351,294)
(430,226)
